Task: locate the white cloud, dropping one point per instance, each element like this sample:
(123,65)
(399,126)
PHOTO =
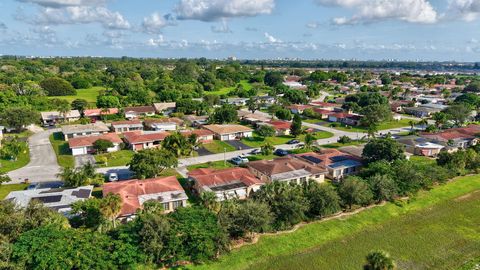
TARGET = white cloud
(156,22)
(367,11)
(222,28)
(468,10)
(210,10)
(271,38)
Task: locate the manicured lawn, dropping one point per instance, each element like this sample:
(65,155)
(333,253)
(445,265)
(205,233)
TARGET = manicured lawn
(257,140)
(64,156)
(318,135)
(119,158)
(437,229)
(394,124)
(338,145)
(5,189)
(89,94)
(22,160)
(217,147)
(213,165)
(383,126)
(262,157)
(224,91)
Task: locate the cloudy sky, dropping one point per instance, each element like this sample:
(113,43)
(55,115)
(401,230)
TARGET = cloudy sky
(253,29)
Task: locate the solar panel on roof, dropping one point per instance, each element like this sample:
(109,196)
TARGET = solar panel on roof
(49,199)
(338,158)
(313,159)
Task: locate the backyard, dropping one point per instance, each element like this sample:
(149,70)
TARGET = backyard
(89,94)
(64,157)
(437,229)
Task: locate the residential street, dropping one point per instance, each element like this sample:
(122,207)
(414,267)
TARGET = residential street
(43,166)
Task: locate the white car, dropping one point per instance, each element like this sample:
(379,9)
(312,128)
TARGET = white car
(239,160)
(112,177)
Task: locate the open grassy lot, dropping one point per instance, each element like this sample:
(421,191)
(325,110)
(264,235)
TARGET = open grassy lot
(10,165)
(338,145)
(213,165)
(383,126)
(437,229)
(218,147)
(224,91)
(119,158)
(64,157)
(89,94)
(257,140)
(5,189)
(423,160)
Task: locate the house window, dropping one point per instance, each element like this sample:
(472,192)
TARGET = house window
(166,206)
(177,204)
(303,180)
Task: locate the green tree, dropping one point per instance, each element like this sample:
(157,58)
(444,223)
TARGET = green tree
(150,163)
(80,105)
(379,260)
(354,191)
(266,131)
(458,113)
(440,119)
(179,144)
(383,187)
(225,114)
(107,102)
(296,127)
(383,149)
(309,141)
(323,199)
(110,207)
(273,78)
(283,114)
(64,108)
(12,148)
(253,104)
(55,86)
(267,149)
(18,118)
(102,145)
(210,201)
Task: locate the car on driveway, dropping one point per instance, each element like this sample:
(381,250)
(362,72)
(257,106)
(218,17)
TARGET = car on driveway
(256,152)
(281,152)
(293,141)
(239,160)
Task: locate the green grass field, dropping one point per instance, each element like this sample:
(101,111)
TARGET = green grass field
(438,229)
(224,91)
(5,189)
(383,126)
(64,157)
(257,140)
(89,94)
(22,160)
(338,145)
(217,147)
(119,158)
(213,165)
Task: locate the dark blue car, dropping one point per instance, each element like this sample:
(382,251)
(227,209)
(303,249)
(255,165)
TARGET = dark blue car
(281,152)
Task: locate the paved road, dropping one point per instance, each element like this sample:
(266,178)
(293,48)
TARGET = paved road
(43,166)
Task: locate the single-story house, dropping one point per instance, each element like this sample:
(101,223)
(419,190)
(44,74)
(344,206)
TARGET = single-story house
(84,145)
(165,108)
(286,169)
(229,132)
(298,108)
(98,113)
(398,105)
(136,112)
(420,146)
(345,118)
(92,129)
(135,193)
(196,120)
(322,113)
(225,183)
(281,127)
(58,199)
(337,163)
(203,135)
(421,112)
(53,117)
(164,124)
(253,118)
(325,105)
(455,137)
(235,101)
(127,126)
(138,140)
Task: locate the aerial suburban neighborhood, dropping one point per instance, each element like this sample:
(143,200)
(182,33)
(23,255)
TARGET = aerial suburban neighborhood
(323,153)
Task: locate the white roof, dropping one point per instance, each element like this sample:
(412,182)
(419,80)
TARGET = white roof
(57,115)
(430,145)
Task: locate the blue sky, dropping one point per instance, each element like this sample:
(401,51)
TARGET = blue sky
(253,29)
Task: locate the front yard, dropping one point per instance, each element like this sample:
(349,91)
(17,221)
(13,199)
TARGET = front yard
(114,159)
(217,147)
(5,189)
(257,141)
(64,156)
(11,165)
(383,126)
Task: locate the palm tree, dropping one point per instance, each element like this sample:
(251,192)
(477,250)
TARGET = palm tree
(423,122)
(379,260)
(209,201)
(64,108)
(412,124)
(111,206)
(267,149)
(309,140)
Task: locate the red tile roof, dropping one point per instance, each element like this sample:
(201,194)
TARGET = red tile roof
(324,104)
(283,165)
(89,140)
(299,107)
(98,112)
(323,111)
(130,190)
(140,109)
(467,133)
(198,132)
(213,177)
(280,125)
(135,137)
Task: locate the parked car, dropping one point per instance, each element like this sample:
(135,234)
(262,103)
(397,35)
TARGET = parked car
(256,152)
(293,141)
(281,152)
(112,177)
(239,160)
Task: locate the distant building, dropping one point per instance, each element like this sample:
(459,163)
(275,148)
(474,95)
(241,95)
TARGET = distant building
(93,129)
(127,126)
(165,108)
(164,124)
(98,113)
(58,199)
(140,111)
(50,118)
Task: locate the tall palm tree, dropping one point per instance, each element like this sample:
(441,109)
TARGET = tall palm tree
(379,260)
(209,201)
(64,108)
(111,206)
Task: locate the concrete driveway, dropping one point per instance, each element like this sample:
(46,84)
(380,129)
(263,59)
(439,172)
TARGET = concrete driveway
(84,160)
(238,145)
(43,166)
